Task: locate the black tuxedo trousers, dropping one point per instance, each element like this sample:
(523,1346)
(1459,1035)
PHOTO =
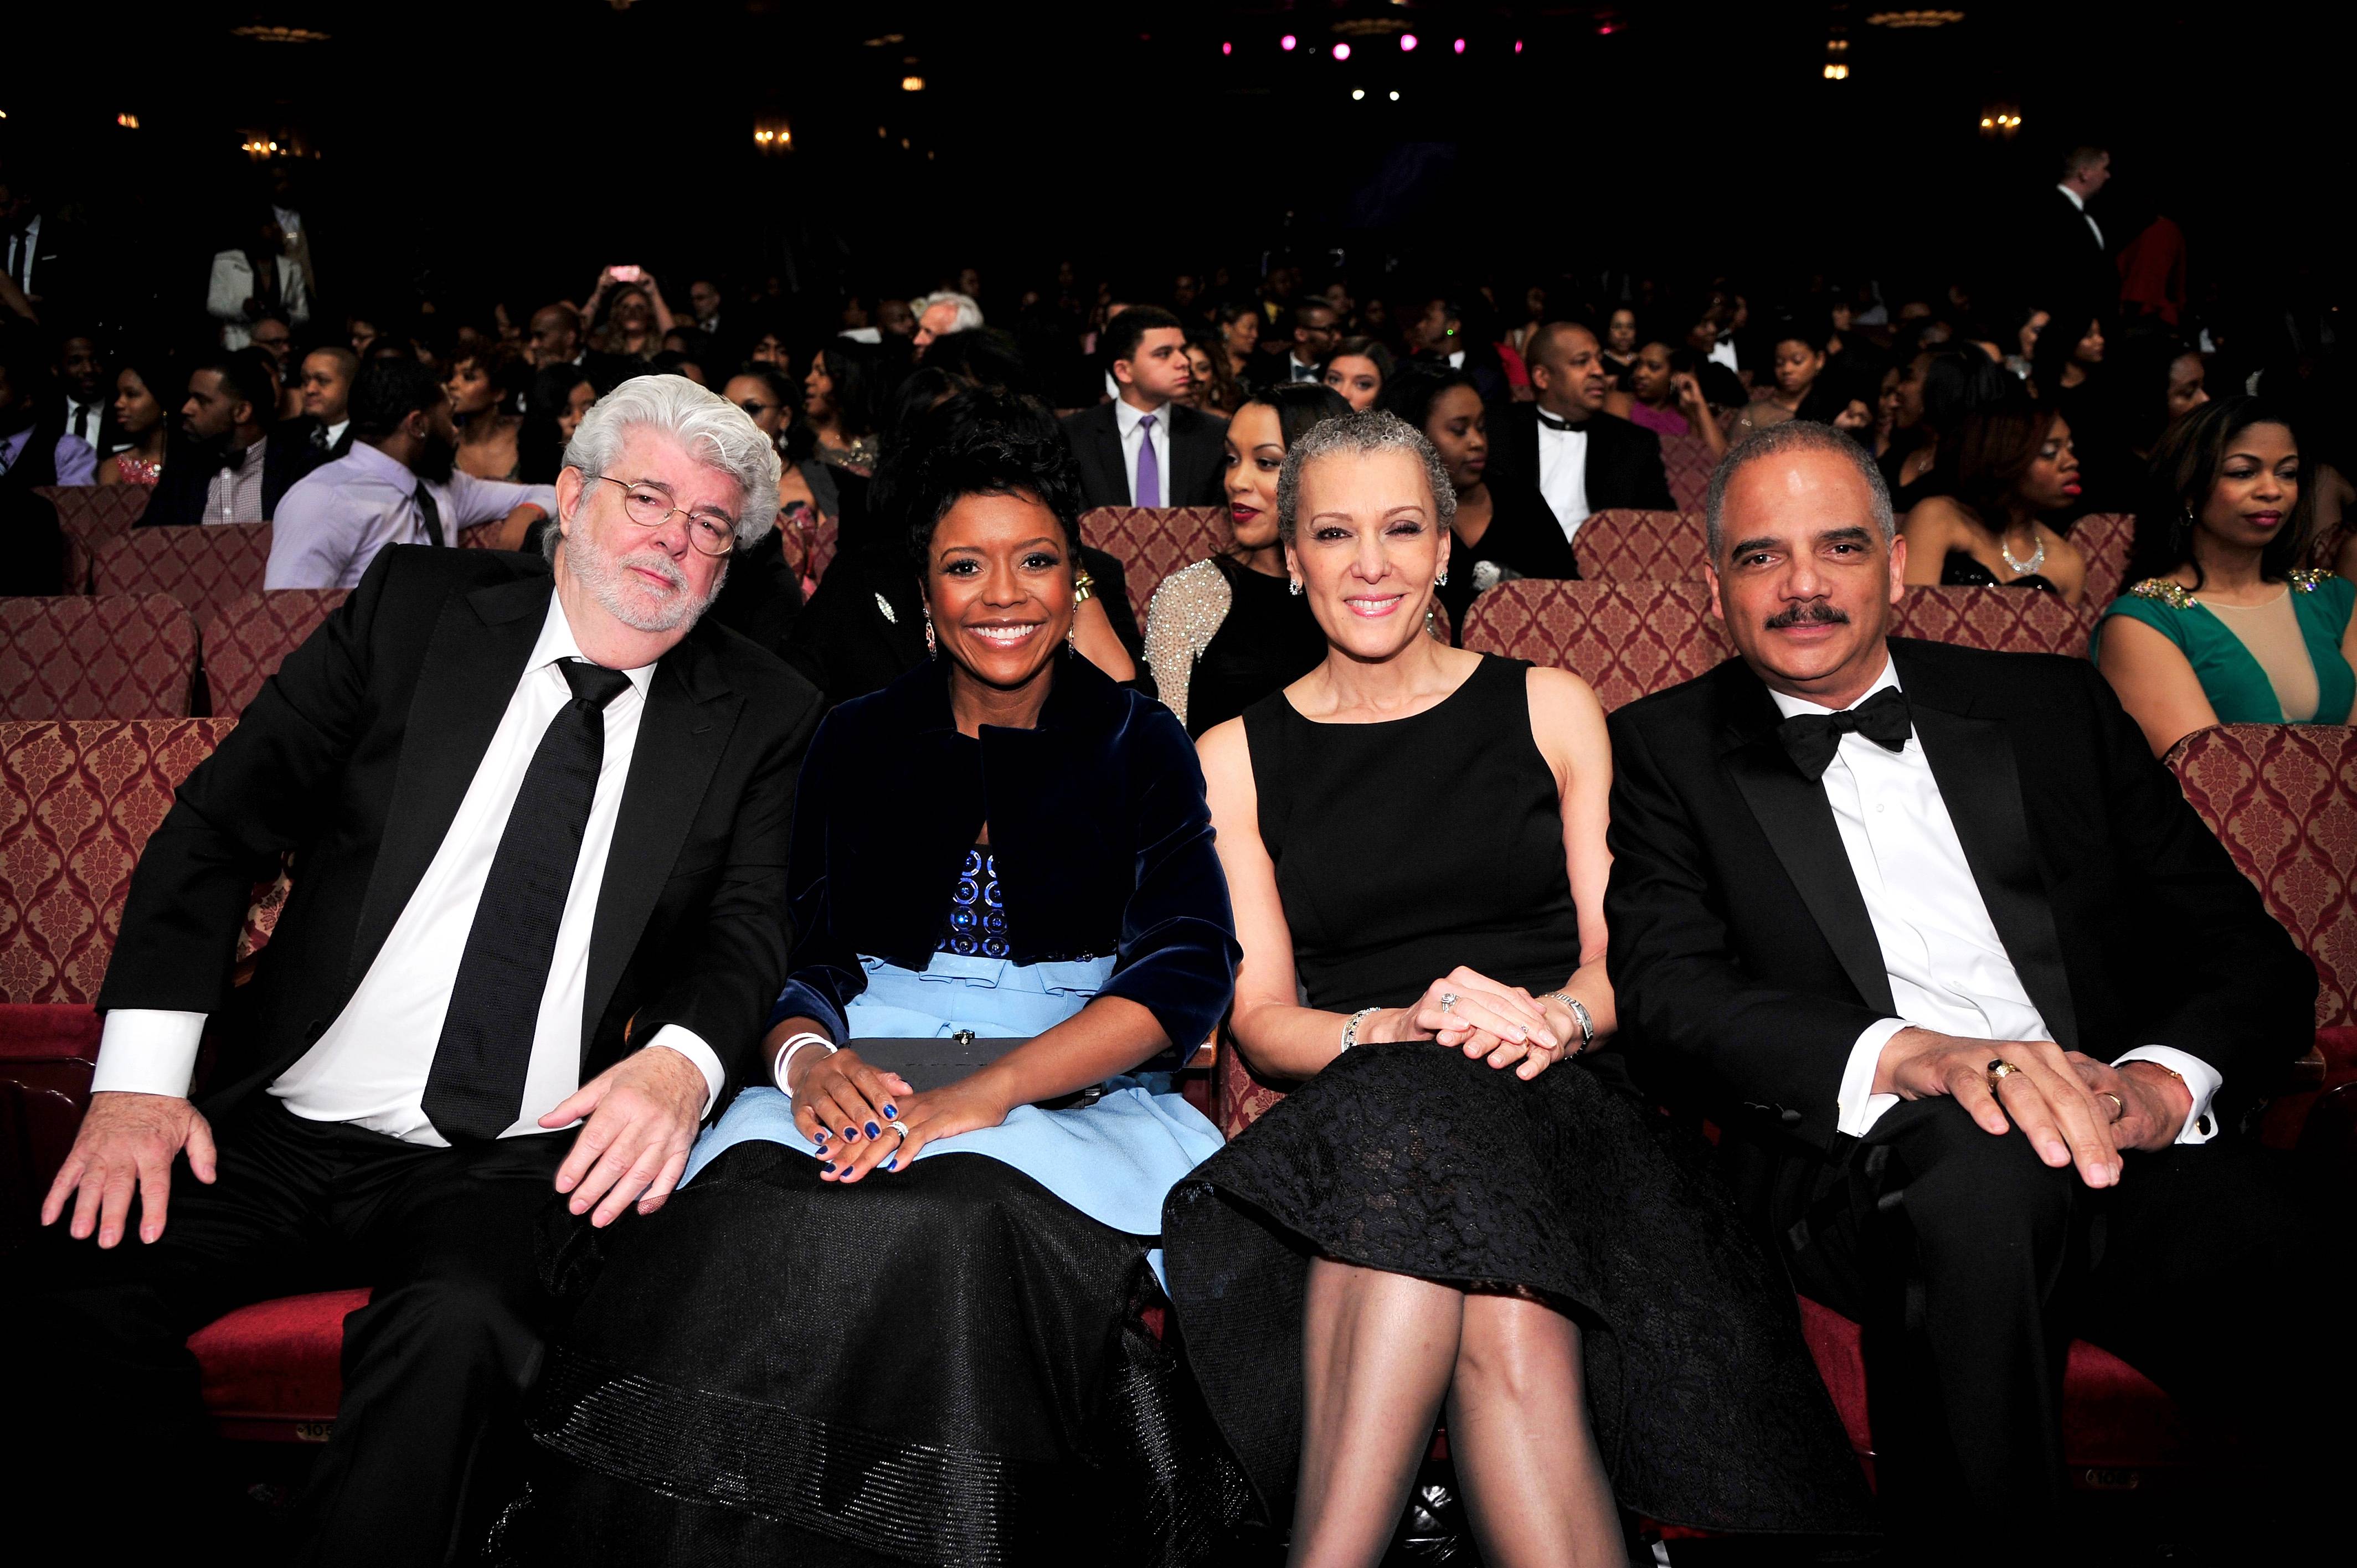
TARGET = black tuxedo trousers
(428,1443)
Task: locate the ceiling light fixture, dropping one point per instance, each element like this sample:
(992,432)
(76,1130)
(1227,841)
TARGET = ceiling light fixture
(269,35)
(1913,19)
(912,84)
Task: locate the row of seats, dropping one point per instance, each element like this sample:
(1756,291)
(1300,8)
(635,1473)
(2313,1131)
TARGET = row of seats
(143,655)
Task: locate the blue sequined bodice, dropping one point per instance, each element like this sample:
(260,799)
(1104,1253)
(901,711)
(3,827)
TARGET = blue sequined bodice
(977,922)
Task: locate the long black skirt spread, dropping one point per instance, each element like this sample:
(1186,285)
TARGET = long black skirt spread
(1412,1159)
(936,1366)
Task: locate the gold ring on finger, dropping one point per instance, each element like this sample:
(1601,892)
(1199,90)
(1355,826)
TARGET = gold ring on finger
(2119,1106)
(1999,1071)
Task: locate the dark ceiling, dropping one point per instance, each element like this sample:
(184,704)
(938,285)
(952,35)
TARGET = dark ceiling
(460,151)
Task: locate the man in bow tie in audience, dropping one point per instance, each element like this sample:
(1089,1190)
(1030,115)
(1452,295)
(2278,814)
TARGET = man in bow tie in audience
(538,812)
(1983,1012)
(1581,459)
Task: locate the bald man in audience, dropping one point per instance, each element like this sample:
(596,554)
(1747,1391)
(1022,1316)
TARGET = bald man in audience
(1581,459)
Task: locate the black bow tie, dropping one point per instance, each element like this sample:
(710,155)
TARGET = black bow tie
(1551,423)
(1811,740)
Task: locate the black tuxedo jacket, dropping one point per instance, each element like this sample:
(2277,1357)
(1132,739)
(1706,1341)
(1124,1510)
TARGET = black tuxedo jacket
(1198,464)
(2071,272)
(1624,460)
(1742,959)
(354,759)
(290,455)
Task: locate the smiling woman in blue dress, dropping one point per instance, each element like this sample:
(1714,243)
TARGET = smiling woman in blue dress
(879,1319)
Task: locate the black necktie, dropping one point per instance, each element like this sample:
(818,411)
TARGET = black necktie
(1551,423)
(320,441)
(475,1088)
(1811,740)
(82,410)
(429,512)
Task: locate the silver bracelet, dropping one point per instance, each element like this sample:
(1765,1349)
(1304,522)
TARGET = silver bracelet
(1350,1030)
(785,1058)
(1579,1016)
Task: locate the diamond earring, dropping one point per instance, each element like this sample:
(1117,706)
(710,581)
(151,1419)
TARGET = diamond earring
(932,649)
(1442,581)
(1293,586)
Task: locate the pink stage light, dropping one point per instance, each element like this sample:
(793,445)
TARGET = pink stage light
(1227,48)
(1341,51)
(1407,43)
(1518,46)
(1461,46)
(1287,42)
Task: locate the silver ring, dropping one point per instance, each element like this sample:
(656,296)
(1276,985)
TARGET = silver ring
(1448,1000)
(900,1127)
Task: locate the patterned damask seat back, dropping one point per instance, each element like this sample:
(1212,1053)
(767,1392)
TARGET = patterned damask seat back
(1631,547)
(2104,537)
(248,637)
(77,800)
(1151,543)
(110,657)
(1626,639)
(90,515)
(2003,620)
(2283,798)
(204,568)
(1688,464)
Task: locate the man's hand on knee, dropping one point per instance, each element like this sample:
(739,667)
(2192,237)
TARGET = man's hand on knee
(2045,1095)
(2151,1103)
(126,1145)
(642,1116)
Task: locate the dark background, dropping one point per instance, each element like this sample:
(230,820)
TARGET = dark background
(464,153)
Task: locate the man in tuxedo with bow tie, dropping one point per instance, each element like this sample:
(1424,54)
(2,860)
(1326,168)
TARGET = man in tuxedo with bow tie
(1579,458)
(1981,1007)
(538,813)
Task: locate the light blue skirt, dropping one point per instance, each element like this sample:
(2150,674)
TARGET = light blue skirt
(1114,1160)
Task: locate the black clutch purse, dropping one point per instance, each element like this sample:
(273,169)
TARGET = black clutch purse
(937,1063)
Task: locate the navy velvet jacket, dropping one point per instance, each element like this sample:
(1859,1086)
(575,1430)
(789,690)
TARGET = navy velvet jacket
(1097,818)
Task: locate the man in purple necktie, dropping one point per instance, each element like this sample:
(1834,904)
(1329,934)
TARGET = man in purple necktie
(1143,450)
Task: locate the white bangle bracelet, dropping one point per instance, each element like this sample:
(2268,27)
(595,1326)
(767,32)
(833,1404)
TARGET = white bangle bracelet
(786,1055)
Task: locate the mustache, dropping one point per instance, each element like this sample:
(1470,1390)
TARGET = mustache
(1818,612)
(661,565)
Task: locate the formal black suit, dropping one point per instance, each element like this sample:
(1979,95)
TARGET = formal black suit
(355,759)
(1624,460)
(1745,968)
(189,470)
(294,451)
(2069,270)
(1197,470)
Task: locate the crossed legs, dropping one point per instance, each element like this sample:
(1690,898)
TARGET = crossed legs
(1382,1354)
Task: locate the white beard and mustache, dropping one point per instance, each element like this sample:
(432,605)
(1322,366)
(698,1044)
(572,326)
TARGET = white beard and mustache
(607,577)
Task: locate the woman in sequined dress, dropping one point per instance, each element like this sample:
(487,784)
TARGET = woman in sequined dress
(879,1322)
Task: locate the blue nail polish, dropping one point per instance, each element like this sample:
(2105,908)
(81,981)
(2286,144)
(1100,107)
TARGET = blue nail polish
(892,1163)
(827,1164)
(874,1131)
(889,1113)
(849,1133)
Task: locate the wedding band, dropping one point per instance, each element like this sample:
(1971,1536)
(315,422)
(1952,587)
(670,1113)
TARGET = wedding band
(1448,1000)
(1997,1072)
(900,1127)
(2119,1106)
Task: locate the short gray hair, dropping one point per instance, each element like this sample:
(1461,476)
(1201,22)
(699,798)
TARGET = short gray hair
(1783,440)
(969,314)
(713,430)
(1362,435)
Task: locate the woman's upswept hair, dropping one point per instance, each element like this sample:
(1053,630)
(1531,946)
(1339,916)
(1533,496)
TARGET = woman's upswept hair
(716,431)
(1362,435)
(983,443)
(2185,470)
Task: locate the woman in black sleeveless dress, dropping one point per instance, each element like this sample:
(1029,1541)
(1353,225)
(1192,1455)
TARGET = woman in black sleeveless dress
(1450,1211)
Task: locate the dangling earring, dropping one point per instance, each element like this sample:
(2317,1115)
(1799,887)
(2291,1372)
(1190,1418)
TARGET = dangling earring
(1293,586)
(1442,581)
(1072,639)
(932,649)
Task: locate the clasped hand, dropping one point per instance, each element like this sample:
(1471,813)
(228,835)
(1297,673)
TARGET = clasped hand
(1503,1025)
(2061,1099)
(862,1117)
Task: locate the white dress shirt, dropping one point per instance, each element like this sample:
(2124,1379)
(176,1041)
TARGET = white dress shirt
(1128,419)
(370,1066)
(1297,373)
(1457,359)
(333,521)
(335,433)
(1563,476)
(2080,202)
(234,494)
(1948,967)
(24,249)
(1722,352)
(84,420)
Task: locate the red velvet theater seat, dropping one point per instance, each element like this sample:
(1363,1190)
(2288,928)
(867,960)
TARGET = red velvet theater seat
(78,799)
(1687,464)
(248,637)
(204,568)
(1626,545)
(85,657)
(272,1372)
(2104,537)
(2001,620)
(90,515)
(1151,543)
(1628,638)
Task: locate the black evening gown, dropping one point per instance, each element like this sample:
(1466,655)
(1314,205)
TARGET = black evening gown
(1959,569)
(1412,1159)
(1268,640)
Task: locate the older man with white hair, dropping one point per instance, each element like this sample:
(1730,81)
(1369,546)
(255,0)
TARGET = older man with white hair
(939,315)
(538,814)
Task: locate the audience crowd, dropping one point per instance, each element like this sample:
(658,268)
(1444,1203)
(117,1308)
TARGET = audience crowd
(798,796)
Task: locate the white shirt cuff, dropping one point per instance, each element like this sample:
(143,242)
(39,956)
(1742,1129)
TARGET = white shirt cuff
(147,1051)
(689,1043)
(2200,1077)
(1859,1107)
